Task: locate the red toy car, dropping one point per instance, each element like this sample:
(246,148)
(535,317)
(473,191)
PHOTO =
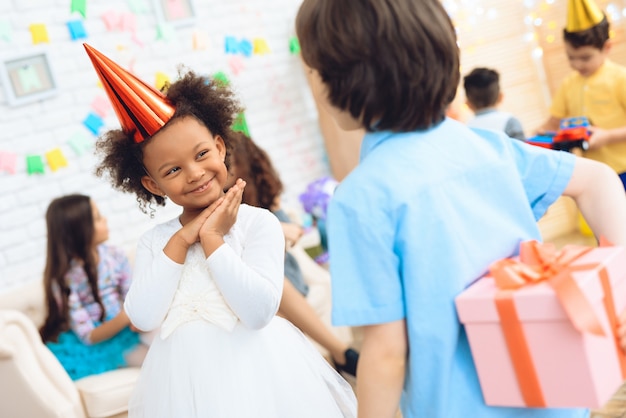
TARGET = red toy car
(572,133)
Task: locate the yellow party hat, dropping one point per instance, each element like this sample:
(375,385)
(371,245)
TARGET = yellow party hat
(582,15)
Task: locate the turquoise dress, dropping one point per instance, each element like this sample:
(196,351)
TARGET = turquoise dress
(80,360)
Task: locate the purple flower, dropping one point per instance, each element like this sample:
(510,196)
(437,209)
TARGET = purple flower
(317,195)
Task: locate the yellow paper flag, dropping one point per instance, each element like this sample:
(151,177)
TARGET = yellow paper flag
(161,80)
(39,33)
(56,159)
(260,47)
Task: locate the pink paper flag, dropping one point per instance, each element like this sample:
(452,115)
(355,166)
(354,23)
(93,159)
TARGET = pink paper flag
(236,64)
(129,22)
(56,159)
(101,106)
(112,20)
(8,161)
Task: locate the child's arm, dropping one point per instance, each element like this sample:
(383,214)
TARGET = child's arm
(381,369)
(601,137)
(252,283)
(80,320)
(599,194)
(155,280)
(110,328)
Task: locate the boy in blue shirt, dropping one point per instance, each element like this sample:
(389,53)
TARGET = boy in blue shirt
(483,95)
(431,204)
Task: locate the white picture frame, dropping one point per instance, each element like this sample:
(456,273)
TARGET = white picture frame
(175,12)
(27,77)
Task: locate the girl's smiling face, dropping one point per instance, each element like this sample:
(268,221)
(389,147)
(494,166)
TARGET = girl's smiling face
(185,162)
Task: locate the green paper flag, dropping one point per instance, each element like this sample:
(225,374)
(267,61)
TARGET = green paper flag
(165,32)
(34,164)
(240,125)
(5,31)
(294,45)
(80,143)
(138,6)
(79,6)
(221,78)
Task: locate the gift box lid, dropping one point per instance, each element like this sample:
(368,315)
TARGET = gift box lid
(537,302)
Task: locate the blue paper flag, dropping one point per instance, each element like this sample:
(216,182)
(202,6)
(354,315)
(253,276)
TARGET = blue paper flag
(94,123)
(77,30)
(246,47)
(231,45)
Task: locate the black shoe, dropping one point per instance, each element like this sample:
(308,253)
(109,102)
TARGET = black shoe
(352,358)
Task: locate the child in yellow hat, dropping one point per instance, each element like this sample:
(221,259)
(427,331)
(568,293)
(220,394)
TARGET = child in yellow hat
(597,87)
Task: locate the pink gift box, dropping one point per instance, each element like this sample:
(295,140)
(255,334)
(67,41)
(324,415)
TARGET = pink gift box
(574,369)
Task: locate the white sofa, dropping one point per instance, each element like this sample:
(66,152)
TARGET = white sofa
(33,384)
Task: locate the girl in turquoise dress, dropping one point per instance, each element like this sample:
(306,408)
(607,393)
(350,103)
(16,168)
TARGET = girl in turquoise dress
(85,283)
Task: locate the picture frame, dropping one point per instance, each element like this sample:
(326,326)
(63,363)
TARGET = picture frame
(27,77)
(175,12)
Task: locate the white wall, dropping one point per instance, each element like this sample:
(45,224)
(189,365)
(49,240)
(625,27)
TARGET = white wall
(280,111)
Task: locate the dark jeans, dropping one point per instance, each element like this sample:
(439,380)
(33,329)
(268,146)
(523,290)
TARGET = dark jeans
(622,177)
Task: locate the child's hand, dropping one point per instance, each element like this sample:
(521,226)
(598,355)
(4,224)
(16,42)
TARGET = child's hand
(189,234)
(599,137)
(219,222)
(292,232)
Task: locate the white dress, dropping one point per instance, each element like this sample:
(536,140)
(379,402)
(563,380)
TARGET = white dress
(221,352)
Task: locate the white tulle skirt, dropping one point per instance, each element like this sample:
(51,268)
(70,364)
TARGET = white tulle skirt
(203,371)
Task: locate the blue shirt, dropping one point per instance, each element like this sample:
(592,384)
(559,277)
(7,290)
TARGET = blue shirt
(420,218)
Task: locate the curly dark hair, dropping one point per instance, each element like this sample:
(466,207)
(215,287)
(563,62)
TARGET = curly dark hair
(254,166)
(596,36)
(210,101)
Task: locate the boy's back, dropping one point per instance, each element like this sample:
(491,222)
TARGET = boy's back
(432,222)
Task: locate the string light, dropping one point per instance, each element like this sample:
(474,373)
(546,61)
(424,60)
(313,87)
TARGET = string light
(469,17)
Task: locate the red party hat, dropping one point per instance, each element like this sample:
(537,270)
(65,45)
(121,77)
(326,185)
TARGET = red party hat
(140,108)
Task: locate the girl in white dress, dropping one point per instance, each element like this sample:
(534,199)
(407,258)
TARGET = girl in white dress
(211,279)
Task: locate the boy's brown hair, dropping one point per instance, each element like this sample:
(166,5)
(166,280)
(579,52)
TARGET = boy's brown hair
(208,100)
(392,64)
(596,36)
(482,87)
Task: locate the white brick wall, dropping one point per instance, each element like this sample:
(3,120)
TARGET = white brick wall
(280,112)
